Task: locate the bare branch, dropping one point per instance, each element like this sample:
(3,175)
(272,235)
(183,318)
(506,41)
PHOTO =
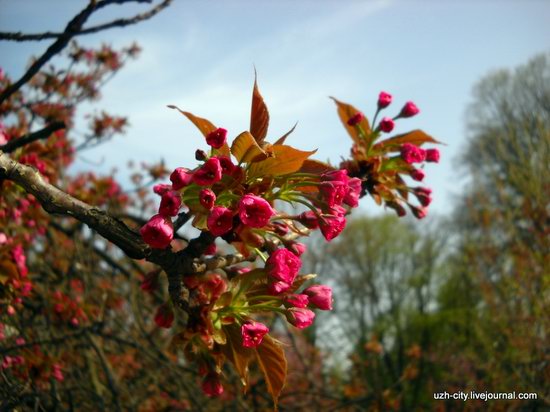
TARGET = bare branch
(32,137)
(20,37)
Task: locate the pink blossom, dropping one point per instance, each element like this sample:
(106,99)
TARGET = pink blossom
(164,316)
(387,124)
(297,248)
(412,154)
(309,219)
(253,333)
(283,265)
(297,300)
(180,178)
(220,220)
(340,175)
(217,138)
(300,317)
(18,255)
(332,225)
(423,194)
(212,386)
(255,211)
(432,155)
(356,119)
(384,100)
(354,192)
(170,203)
(276,287)
(161,189)
(334,192)
(227,165)
(158,232)
(320,296)
(419,212)
(209,173)
(409,110)
(418,175)
(207,198)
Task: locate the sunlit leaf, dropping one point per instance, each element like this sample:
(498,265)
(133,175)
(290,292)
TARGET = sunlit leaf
(416,137)
(259,116)
(271,358)
(245,149)
(345,111)
(315,167)
(285,159)
(205,126)
(281,140)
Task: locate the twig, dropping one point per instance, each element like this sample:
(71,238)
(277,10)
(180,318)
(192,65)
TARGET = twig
(32,137)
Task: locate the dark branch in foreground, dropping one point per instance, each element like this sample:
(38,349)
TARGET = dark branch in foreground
(55,201)
(32,137)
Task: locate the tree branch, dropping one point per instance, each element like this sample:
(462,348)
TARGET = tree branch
(20,37)
(32,137)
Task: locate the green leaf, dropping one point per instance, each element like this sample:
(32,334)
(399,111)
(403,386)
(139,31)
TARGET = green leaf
(259,116)
(284,160)
(272,361)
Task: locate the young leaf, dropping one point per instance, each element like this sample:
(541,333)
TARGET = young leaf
(345,112)
(315,166)
(286,159)
(272,361)
(245,149)
(416,137)
(259,116)
(281,140)
(205,126)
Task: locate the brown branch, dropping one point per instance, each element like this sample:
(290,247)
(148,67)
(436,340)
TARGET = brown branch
(55,201)
(123,22)
(32,137)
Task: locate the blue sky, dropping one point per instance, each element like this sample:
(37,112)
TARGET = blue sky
(200,56)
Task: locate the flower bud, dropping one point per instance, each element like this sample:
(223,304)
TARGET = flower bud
(320,296)
(300,317)
(212,386)
(418,174)
(252,333)
(432,155)
(297,301)
(170,203)
(217,138)
(356,119)
(387,124)
(200,155)
(180,178)
(207,198)
(384,100)
(157,232)
(409,110)
(411,153)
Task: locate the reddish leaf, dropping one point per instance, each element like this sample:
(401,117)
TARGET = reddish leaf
(345,111)
(259,116)
(272,360)
(315,166)
(245,149)
(285,160)
(205,126)
(416,137)
(282,139)
(236,353)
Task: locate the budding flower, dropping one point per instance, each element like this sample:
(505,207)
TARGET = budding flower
(157,232)
(384,100)
(320,296)
(299,317)
(387,124)
(220,220)
(297,300)
(253,333)
(255,211)
(217,138)
(356,119)
(432,155)
(212,386)
(200,155)
(170,203)
(418,175)
(411,153)
(207,198)
(180,178)
(409,110)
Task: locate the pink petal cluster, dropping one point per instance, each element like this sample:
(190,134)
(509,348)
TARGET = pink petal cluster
(164,316)
(320,296)
(209,173)
(331,225)
(409,110)
(158,232)
(207,198)
(212,386)
(384,100)
(387,124)
(220,220)
(180,178)
(170,203)
(217,138)
(252,333)
(255,211)
(300,317)
(432,155)
(282,267)
(411,153)
(356,119)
